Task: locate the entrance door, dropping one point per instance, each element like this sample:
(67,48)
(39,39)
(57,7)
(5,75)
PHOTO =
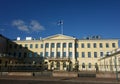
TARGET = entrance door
(58,65)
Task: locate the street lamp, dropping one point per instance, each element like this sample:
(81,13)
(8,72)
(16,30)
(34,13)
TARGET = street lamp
(116,68)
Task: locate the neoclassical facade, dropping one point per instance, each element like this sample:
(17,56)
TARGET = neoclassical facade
(62,52)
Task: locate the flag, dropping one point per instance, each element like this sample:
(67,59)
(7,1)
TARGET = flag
(60,22)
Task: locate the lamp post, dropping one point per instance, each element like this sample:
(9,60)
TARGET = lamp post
(116,68)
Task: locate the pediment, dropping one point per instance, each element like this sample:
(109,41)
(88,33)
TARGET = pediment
(59,36)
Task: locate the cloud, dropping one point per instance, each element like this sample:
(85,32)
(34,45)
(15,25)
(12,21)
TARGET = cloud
(36,26)
(20,25)
(32,26)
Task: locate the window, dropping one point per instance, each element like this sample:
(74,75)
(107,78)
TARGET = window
(25,54)
(107,45)
(94,45)
(52,54)
(83,65)
(70,45)
(83,54)
(89,65)
(41,45)
(15,46)
(35,54)
(64,54)
(31,46)
(58,54)
(100,45)
(101,54)
(76,45)
(52,45)
(64,45)
(41,54)
(47,45)
(20,46)
(113,45)
(82,45)
(19,55)
(88,45)
(14,54)
(26,45)
(70,54)
(89,54)
(58,45)
(46,54)
(30,54)
(95,54)
(36,45)
(77,55)
(10,46)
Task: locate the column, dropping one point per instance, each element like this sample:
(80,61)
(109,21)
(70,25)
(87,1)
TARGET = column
(73,54)
(49,55)
(43,49)
(61,65)
(67,50)
(61,52)
(55,50)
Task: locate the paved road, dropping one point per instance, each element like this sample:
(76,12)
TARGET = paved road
(37,80)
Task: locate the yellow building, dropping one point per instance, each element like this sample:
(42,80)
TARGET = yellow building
(111,62)
(61,52)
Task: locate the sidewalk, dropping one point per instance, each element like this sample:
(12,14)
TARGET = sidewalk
(79,80)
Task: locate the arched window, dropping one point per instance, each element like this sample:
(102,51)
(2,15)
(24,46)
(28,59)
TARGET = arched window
(83,65)
(89,65)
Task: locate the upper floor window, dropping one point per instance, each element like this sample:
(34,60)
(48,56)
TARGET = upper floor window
(76,45)
(70,54)
(41,46)
(94,45)
(52,45)
(89,54)
(36,45)
(101,54)
(58,54)
(113,45)
(64,45)
(77,55)
(58,45)
(35,54)
(82,45)
(26,45)
(47,45)
(83,54)
(107,45)
(30,54)
(41,54)
(95,54)
(64,54)
(70,45)
(31,45)
(101,45)
(15,46)
(20,46)
(46,54)
(88,45)
(52,54)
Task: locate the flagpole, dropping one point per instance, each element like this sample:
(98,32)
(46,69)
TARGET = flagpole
(62,28)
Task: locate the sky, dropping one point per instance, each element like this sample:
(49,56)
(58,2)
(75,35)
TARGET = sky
(39,18)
